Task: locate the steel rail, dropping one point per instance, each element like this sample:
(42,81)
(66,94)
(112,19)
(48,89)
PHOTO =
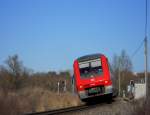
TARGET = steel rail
(66,110)
(70,109)
(60,111)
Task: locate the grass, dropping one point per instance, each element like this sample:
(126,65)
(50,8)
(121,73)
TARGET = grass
(34,100)
(37,99)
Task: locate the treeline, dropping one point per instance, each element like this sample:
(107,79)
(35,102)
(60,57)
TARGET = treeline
(14,76)
(22,90)
(122,66)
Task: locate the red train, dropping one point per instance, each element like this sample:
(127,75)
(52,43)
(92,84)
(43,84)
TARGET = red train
(92,77)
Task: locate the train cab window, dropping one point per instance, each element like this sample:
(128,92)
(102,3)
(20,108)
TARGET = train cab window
(90,68)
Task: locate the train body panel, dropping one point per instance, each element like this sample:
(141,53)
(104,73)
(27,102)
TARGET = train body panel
(92,76)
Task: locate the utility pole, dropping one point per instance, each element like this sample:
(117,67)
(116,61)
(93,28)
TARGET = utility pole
(58,85)
(146,52)
(146,67)
(119,81)
(72,83)
(65,86)
(147,79)
(119,78)
(147,99)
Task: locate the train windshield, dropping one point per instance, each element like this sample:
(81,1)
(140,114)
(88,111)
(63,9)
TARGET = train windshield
(90,68)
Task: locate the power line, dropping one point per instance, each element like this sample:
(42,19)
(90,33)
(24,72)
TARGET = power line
(145,39)
(138,48)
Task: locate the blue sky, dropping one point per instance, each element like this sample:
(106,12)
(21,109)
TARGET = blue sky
(50,34)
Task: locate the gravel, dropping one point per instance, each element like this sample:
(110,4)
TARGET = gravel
(117,107)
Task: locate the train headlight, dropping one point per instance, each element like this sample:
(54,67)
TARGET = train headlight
(108,89)
(106,82)
(81,86)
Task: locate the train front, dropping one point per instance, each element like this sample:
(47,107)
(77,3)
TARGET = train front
(92,76)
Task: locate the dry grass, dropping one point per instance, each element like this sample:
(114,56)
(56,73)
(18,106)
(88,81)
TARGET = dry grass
(117,107)
(45,100)
(139,107)
(38,99)
(34,100)
(9,104)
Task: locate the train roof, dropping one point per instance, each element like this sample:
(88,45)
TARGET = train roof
(89,57)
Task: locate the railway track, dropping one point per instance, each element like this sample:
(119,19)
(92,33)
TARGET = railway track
(69,110)
(60,111)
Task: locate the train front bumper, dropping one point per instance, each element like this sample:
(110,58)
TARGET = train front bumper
(107,90)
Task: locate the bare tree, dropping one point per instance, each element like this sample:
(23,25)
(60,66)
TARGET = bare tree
(122,64)
(14,65)
(125,62)
(16,69)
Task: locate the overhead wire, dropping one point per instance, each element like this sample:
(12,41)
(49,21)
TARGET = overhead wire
(138,48)
(143,41)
